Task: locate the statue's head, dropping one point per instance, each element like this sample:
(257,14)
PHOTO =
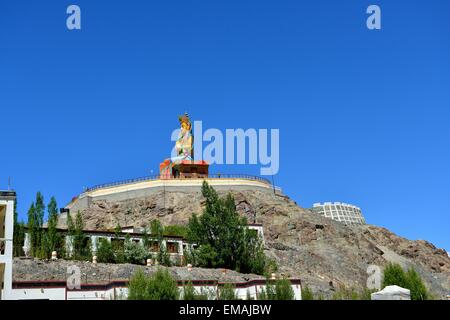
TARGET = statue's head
(185,122)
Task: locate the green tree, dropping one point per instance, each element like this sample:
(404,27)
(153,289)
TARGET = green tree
(146,239)
(70,225)
(78,234)
(118,230)
(32,229)
(204,256)
(393,274)
(157,229)
(105,252)
(223,236)
(135,253)
(307,293)
(344,293)
(41,244)
(251,257)
(280,289)
(118,245)
(81,244)
(35,222)
(119,252)
(159,286)
(71,235)
(137,287)
(268,293)
(162,286)
(53,237)
(176,230)
(189,292)
(416,286)
(40,209)
(271,266)
(227,292)
(163,256)
(283,289)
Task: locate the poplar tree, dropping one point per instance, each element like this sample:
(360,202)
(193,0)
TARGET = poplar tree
(394,274)
(40,209)
(146,238)
(32,230)
(70,233)
(38,223)
(52,233)
(157,230)
(78,240)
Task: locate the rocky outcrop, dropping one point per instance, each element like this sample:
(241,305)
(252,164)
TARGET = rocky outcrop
(323,253)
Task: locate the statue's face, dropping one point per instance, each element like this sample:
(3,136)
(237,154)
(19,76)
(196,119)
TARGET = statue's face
(185,126)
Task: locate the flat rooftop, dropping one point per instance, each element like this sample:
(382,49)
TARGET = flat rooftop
(7,195)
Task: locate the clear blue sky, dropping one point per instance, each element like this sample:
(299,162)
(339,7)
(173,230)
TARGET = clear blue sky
(363,115)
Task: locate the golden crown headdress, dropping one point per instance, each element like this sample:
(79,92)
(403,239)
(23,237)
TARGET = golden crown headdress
(185,119)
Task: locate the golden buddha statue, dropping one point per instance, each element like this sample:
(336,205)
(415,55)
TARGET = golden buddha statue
(185,141)
(184,147)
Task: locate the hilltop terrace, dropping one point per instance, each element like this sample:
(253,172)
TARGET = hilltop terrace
(144,186)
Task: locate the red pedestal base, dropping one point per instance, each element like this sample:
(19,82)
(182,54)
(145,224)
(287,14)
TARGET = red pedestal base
(184,169)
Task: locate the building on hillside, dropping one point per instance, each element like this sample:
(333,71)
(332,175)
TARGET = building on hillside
(7,199)
(258,228)
(175,245)
(346,213)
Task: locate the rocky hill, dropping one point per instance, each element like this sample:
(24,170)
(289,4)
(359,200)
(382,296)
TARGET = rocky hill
(323,253)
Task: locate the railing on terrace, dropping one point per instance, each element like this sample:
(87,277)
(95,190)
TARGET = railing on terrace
(191,176)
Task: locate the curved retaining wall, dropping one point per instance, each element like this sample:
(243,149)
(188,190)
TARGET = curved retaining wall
(146,188)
